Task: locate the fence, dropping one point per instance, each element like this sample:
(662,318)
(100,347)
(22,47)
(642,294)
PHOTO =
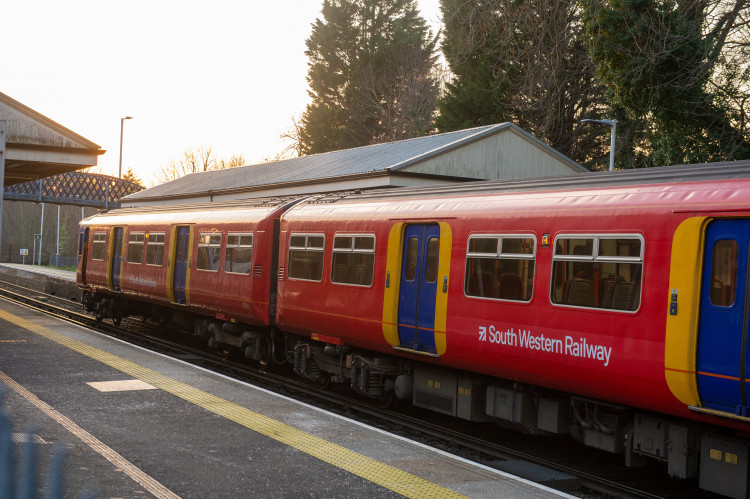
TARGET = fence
(11,253)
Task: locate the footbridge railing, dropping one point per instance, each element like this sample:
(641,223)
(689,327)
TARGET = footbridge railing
(76,188)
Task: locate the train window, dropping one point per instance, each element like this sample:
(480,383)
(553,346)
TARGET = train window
(353,259)
(431,267)
(600,271)
(306,257)
(575,247)
(412,257)
(136,241)
(209,252)
(724,273)
(501,267)
(239,253)
(97,252)
(155,248)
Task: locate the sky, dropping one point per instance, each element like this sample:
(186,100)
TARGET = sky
(224,74)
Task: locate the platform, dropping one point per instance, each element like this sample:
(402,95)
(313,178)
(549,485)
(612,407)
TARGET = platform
(44,279)
(138,423)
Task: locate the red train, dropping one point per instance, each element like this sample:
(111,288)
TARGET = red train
(612,306)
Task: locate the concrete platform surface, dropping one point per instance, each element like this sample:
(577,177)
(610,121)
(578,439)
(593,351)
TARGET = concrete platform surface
(139,424)
(45,279)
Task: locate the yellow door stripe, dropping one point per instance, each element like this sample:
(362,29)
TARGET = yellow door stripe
(138,475)
(379,473)
(681,335)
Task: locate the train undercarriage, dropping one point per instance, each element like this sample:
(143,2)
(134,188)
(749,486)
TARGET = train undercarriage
(718,458)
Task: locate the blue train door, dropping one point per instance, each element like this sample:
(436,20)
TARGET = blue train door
(117,259)
(723,357)
(83,253)
(418,289)
(181,265)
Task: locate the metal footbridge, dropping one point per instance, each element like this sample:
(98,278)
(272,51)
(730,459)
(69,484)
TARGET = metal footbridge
(76,188)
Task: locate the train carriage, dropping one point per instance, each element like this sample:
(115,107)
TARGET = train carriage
(613,307)
(216,262)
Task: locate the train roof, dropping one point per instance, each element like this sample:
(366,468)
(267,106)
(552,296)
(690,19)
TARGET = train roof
(227,211)
(636,177)
(256,208)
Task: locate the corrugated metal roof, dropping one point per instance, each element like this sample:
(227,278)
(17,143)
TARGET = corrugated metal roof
(377,158)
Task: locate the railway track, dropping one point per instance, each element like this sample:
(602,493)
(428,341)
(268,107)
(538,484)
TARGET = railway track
(446,433)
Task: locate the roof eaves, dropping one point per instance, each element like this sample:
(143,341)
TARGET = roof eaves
(10,101)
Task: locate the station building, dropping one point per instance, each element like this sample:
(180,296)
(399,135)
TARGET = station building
(492,152)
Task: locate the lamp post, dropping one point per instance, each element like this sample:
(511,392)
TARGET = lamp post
(613,124)
(122,122)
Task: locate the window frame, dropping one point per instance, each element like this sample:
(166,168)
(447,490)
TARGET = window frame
(239,245)
(500,255)
(595,258)
(353,250)
(306,247)
(103,242)
(152,244)
(209,245)
(134,241)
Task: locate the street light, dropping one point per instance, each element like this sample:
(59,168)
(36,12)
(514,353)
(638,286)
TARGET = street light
(613,124)
(122,121)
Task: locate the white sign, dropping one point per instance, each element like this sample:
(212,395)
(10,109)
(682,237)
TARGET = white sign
(24,252)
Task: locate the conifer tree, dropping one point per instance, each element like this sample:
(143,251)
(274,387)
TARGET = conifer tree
(371,75)
(667,63)
(522,61)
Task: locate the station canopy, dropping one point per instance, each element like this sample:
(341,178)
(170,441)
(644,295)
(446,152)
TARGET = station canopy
(37,147)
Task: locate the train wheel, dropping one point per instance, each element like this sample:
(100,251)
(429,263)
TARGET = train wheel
(323,382)
(388,399)
(264,351)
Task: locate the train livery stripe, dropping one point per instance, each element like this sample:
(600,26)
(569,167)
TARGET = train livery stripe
(379,473)
(441,300)
(681,340)
(392,279)
(723,376)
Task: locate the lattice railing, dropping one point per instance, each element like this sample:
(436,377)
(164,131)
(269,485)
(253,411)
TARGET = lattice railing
(76,188)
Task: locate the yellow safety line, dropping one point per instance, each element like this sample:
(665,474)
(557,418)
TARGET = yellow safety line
(379,473)
(138,475)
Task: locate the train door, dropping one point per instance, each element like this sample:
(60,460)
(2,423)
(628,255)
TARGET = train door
(180,258)
(117,258)
(418,289)
(723,356)
(83,253)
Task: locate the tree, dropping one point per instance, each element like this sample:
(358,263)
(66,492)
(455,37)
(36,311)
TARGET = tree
(130,175)
(523,61)
(676,67)
(231,162)
(195,161)
(370,75)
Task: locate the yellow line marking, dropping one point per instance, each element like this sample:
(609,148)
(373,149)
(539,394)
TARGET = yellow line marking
(379,473)
(12,341)
(145,480)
